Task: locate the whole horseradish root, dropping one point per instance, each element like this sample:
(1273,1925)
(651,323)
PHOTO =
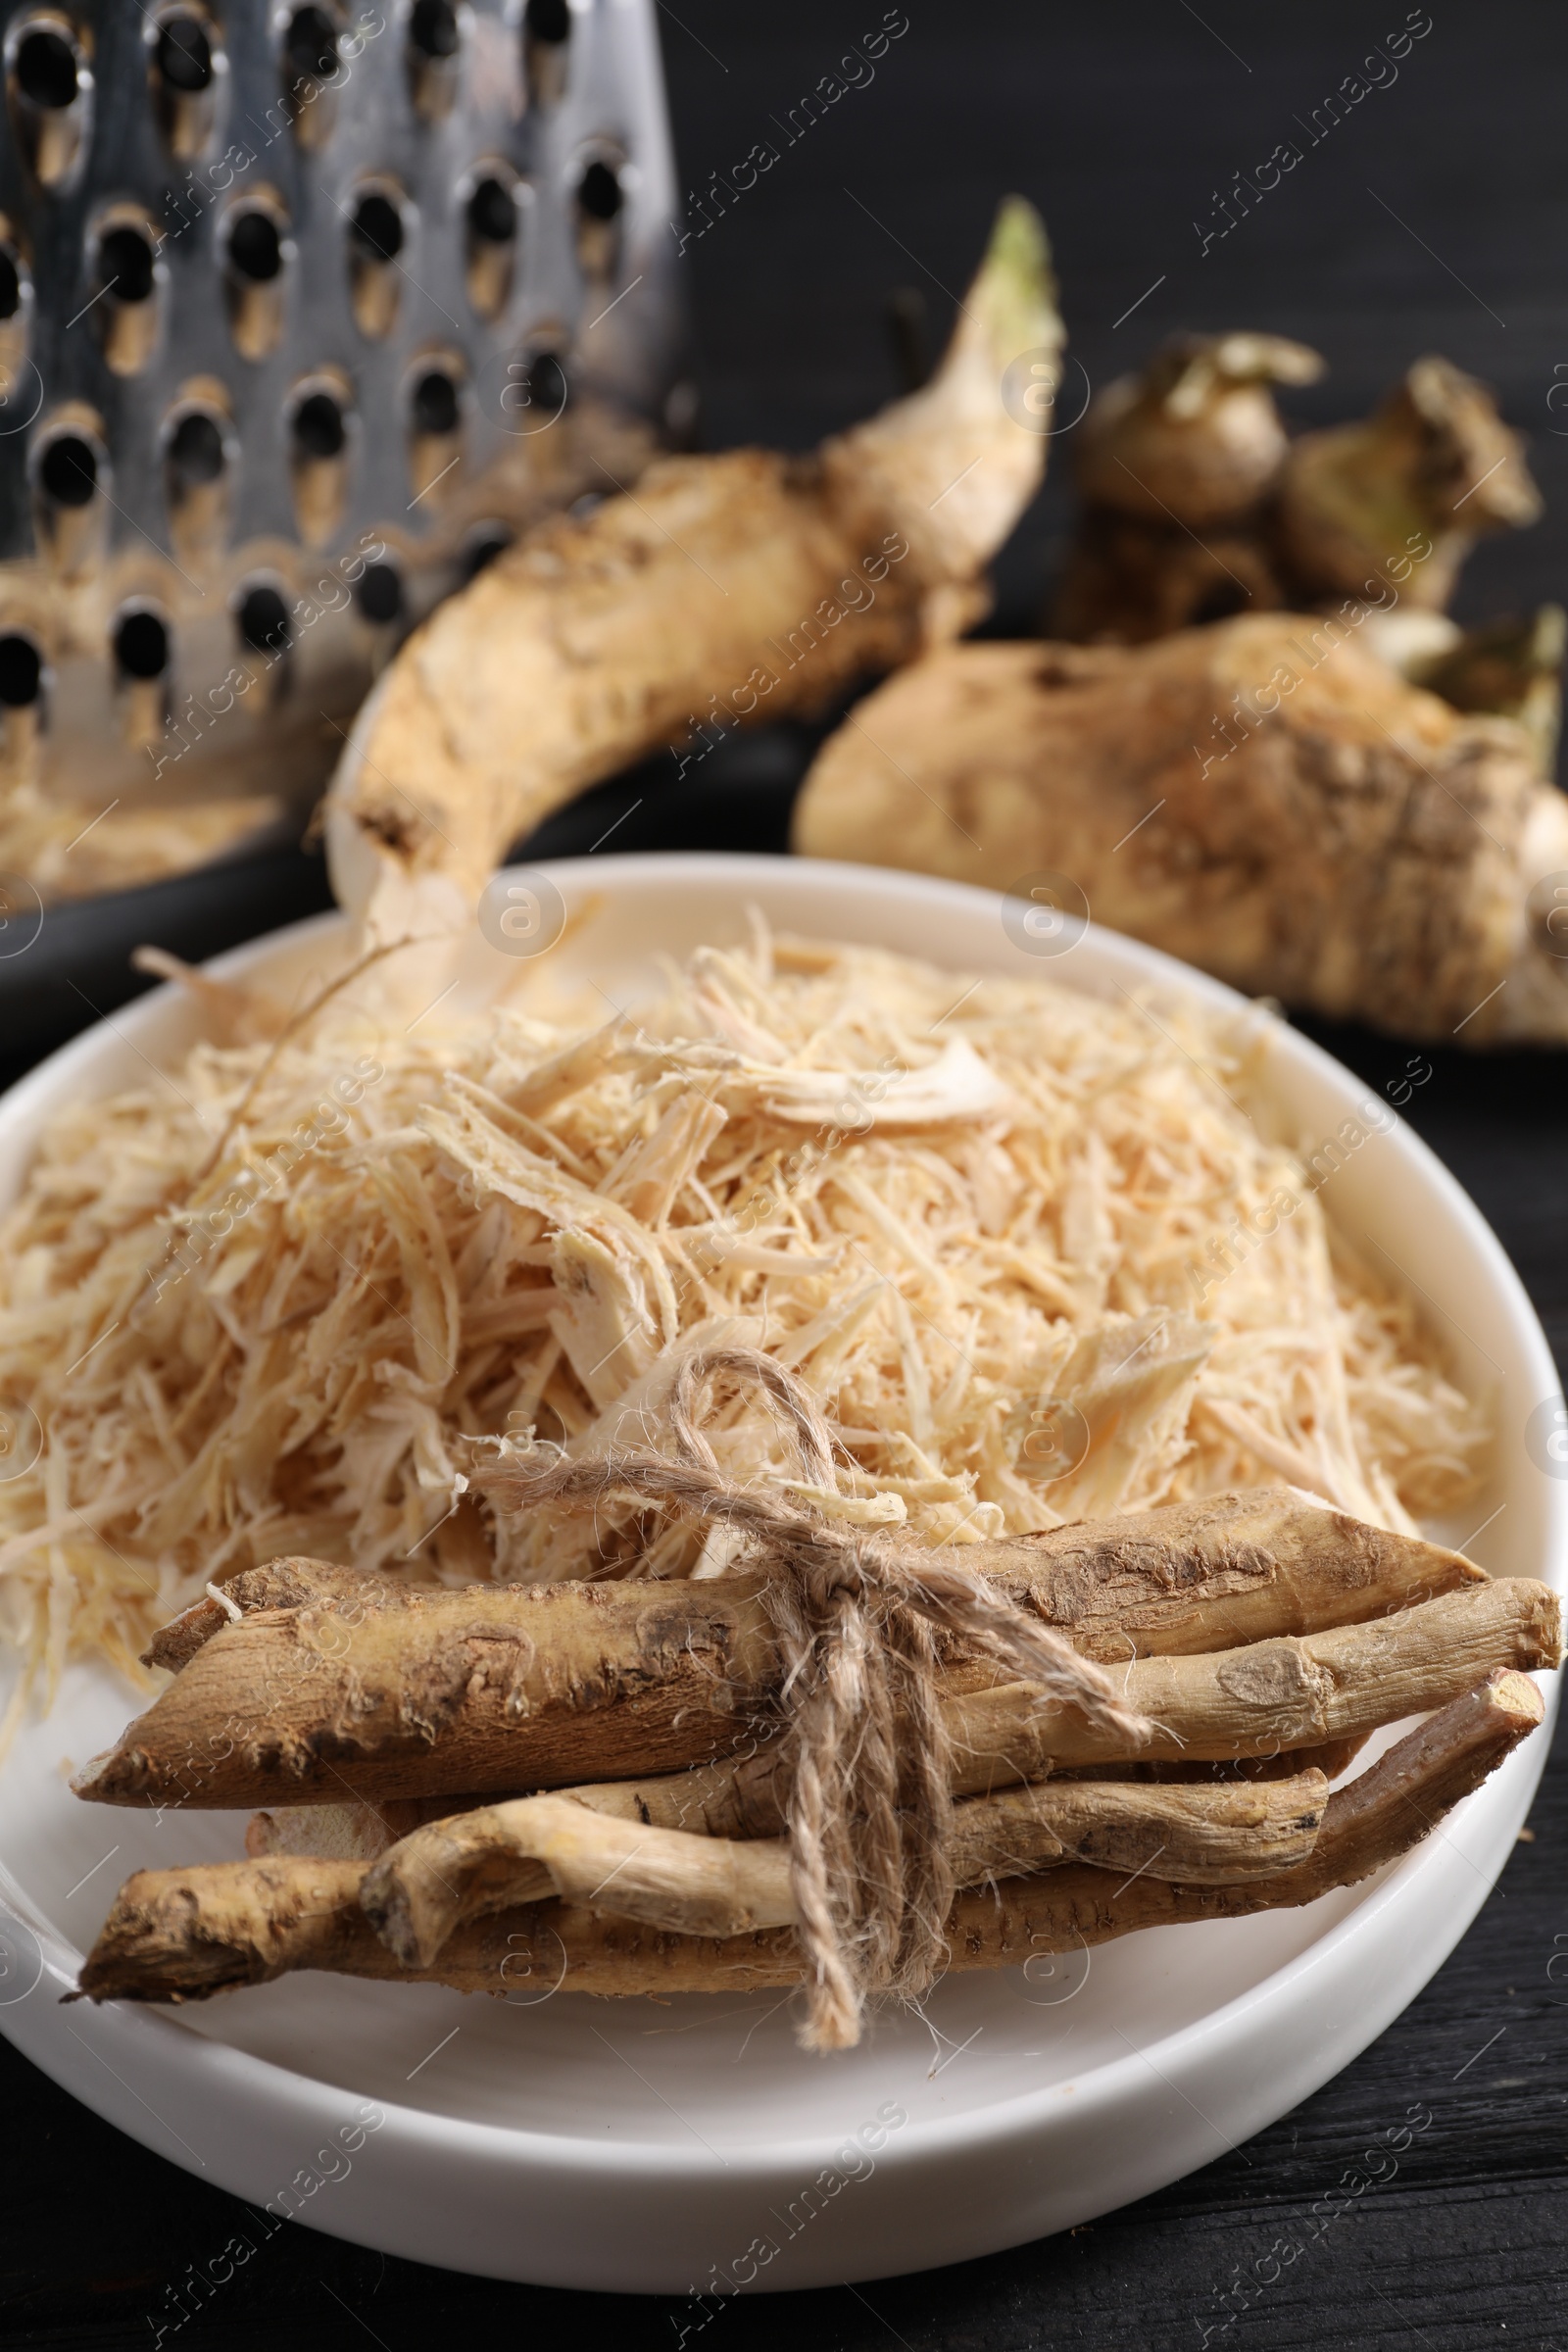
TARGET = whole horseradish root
(747,584)
(1260,798)
(326,1675)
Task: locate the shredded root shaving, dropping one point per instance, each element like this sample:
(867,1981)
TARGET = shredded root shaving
(1026,1250)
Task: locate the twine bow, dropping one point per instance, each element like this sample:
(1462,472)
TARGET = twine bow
(865,1745)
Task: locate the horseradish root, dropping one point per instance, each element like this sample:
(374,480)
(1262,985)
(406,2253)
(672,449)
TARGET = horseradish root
(1174,467)
(727,586)
(855,1622)
(861,1659)
(1182,1577)
(1196,436)
(327,1678)
(1512,669)
(1196,506)
(175,1934)
(1436,463)
(737,1797)
(1260,798)
(1279,1695)
(453,1870)
(870,1755)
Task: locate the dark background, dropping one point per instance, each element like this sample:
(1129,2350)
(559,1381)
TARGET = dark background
(1122,124)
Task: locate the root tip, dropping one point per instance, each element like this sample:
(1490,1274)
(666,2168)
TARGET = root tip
(1514,1694)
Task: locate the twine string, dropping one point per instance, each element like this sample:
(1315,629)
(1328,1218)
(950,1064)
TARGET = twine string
(858,1615)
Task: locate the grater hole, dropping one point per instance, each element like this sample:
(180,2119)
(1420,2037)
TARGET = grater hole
(434,403)
(490,213)
(487,541)
(380,593)
(377,234)
(196,450)
(10,286)
(185,55)
(493,212)
(545,385)
(547,49)
(318,427)
(255,247)
(20,671)
(376,229)
(67,471)
(549,21)
(141,644)
(46,70)
(320,414)
(263,618)
(310,44)
(599,193)
(125,264)
(434,28)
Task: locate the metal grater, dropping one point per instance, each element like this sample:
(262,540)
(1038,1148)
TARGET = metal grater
(304,311)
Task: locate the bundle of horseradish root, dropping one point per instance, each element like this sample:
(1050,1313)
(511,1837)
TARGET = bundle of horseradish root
(760,1489)
(848,1764)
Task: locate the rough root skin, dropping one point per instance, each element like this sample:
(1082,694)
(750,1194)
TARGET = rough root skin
(1264,798)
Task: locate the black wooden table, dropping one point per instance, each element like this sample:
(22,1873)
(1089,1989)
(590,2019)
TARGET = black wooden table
(1433,216)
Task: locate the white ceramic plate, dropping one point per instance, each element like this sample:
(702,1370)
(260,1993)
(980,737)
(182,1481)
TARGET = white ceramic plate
(689,2146)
